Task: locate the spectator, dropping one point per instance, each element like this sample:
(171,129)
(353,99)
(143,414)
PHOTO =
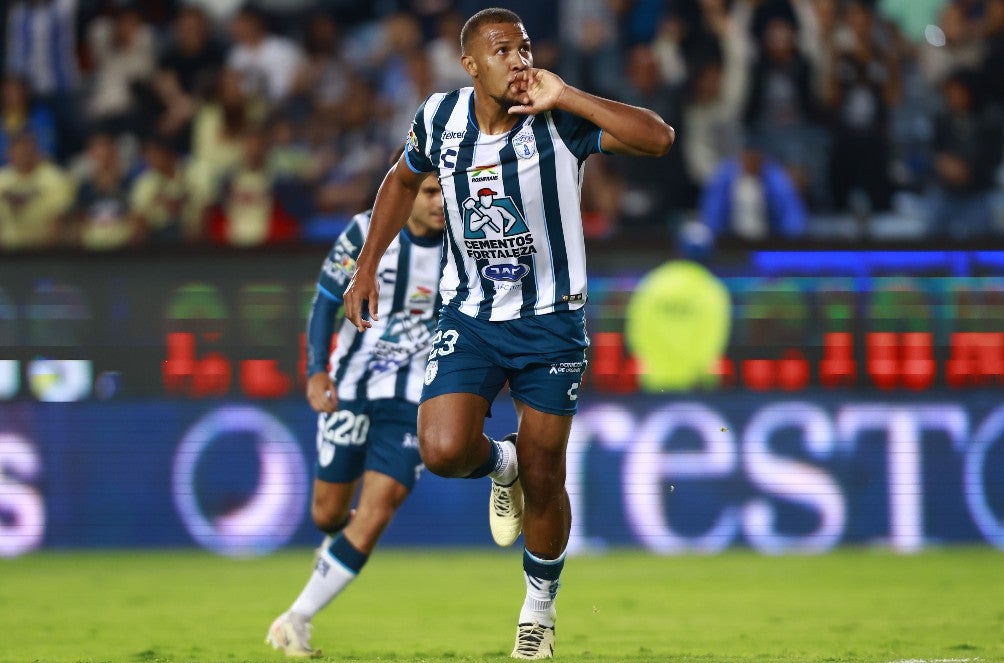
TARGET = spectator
(219,128)
(968,140)
(752,198)
(167,206)
(864,83)
(781,105)
(103,218)
(444,53)
(35,197)
(712,115)
(653,188)
(951,46)
(124,55)
(187,70)
(249,213)
(42,50)
(267,63)
(18,115)
(993,62)
(590,57)
(323,80)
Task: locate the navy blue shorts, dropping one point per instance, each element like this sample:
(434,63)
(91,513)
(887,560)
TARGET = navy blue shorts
(542,357)
(379,435)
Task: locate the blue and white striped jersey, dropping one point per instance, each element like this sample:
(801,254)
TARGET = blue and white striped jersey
(514,244)
(388,360)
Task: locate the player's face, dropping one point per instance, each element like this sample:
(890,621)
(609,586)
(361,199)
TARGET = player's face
(497,53)
(427,217)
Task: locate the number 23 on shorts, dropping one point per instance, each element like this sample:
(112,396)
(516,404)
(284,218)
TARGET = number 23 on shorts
(444,343)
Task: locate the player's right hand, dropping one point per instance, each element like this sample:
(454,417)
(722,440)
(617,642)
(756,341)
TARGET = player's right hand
(362,288)
(321,393)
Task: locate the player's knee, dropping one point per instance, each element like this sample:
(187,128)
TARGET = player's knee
(328,516)
(442,454)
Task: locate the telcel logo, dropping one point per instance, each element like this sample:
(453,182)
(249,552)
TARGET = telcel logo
(505,272)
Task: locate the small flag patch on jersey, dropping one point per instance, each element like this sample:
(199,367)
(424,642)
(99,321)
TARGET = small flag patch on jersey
(572,298)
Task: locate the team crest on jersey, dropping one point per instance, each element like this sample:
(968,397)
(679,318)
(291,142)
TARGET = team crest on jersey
(431,370)
(524,144)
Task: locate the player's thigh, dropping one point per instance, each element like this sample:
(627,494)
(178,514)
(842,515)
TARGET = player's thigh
(462,360)
(452,419)
(392,441)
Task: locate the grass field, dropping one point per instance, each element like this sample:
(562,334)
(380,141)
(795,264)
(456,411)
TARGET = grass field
(854,605)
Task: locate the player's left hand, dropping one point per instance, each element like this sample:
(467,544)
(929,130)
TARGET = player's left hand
(539,90)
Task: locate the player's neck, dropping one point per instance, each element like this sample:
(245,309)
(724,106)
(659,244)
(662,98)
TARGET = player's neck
(492,117)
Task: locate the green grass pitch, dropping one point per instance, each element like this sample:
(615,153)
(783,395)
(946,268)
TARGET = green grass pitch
(458,606)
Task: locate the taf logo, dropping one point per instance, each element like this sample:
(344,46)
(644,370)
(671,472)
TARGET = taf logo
(505,272)
(500,214)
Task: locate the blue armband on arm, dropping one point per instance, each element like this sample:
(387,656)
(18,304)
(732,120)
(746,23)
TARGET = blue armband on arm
(320,326)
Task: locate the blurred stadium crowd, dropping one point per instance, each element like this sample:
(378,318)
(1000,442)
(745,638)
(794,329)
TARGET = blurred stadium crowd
(212,121)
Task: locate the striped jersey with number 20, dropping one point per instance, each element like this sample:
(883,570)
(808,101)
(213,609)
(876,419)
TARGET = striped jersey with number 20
(388,360)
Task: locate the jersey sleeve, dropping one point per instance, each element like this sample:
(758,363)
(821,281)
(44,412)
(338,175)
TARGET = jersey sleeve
(417,145)
(580,136)
(341,260)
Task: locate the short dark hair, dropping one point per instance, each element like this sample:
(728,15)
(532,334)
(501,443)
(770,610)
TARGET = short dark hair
(486,17)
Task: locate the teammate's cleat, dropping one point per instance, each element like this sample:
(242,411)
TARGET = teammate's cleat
(533,642)
(505,508)
(290,634)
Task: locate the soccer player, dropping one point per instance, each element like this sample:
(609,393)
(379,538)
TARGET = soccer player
(514,283)
(367,405)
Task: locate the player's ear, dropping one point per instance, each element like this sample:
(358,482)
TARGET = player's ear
(470,65)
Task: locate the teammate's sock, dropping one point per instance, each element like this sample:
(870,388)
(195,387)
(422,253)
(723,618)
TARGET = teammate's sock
(500,464)
(541,576)
(336,567)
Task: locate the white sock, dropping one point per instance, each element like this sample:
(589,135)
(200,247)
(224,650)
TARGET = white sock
(327,581)
(538,606)
(506,469)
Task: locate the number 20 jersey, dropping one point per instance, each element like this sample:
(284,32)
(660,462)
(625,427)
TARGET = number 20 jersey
(514,244)
(388,360)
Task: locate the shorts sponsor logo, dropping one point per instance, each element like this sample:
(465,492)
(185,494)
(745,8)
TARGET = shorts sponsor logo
(505,272)
(431,370)
(566,367)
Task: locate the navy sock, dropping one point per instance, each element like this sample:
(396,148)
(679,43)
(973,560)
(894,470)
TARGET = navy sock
(490,465)
(347,554)
(537,567)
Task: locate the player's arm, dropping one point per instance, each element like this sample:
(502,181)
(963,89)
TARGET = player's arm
(393,205)
(321,392)
(626,129)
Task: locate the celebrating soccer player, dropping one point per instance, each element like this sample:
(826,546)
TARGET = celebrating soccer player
(367,404)
(509,153)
